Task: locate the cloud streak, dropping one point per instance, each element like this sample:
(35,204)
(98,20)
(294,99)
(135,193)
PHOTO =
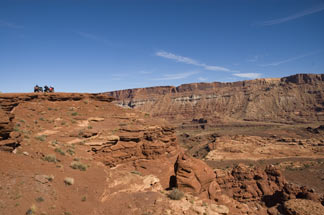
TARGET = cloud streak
(309,11)
(10,25)
(176,76)
(289,59)
(190,61)
(248,75)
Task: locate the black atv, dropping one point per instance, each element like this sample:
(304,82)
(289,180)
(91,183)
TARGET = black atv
(38,89)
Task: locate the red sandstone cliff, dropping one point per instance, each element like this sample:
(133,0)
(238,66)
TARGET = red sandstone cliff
(297,98)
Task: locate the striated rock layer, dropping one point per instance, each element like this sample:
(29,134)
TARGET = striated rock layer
(297,98)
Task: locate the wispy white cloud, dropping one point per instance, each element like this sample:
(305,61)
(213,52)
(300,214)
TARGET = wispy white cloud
(94,37)
(248,75)
(190,61)
(10,25)
(289,59)
(178,58)
(176,76)
(309,11)
(202,79)
(253,59)
(215,68)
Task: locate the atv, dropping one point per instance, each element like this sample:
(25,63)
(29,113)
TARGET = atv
(48,89)
(38,89)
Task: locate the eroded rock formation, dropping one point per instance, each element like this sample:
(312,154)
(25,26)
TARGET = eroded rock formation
(134,143)
(264,187)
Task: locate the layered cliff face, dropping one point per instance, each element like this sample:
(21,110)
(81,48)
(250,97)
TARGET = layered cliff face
(297,98)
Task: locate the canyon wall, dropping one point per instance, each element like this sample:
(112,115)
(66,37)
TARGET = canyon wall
(294,99)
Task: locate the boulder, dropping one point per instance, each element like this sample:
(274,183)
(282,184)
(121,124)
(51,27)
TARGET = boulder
(193,175)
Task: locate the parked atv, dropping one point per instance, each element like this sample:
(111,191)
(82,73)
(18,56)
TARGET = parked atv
(48,89)
(38,89)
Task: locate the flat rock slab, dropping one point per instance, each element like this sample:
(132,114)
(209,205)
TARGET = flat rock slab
(95,119)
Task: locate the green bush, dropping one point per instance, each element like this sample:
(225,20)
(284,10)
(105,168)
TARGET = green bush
(176,194)
(60,151)
(70,151)
(39,199)
(50,158)
(78,165)
(41,138)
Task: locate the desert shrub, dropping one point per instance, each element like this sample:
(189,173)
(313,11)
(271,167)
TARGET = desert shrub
(78,165)
(60,151)
(176,194)
(31,210)
(54,142)
(74,113)
(89,127)
(81,133)
(39,199)
(41,138)
(69,181)
(41,119)
(84,198)
(70,151)
(63,123)
(136,172)
(50,158)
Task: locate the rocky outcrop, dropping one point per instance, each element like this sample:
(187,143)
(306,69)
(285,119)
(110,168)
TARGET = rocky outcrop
(9,139)
(5,125)
(244,184)
(10,100)
(297,98)
(304,79)
(131,144)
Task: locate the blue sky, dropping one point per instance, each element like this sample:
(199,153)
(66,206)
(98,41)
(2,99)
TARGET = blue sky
(101,45)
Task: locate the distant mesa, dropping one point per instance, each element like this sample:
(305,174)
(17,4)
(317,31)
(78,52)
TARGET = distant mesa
(294,99)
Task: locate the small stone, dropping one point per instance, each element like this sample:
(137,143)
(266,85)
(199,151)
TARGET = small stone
(26,153)
(69,181)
